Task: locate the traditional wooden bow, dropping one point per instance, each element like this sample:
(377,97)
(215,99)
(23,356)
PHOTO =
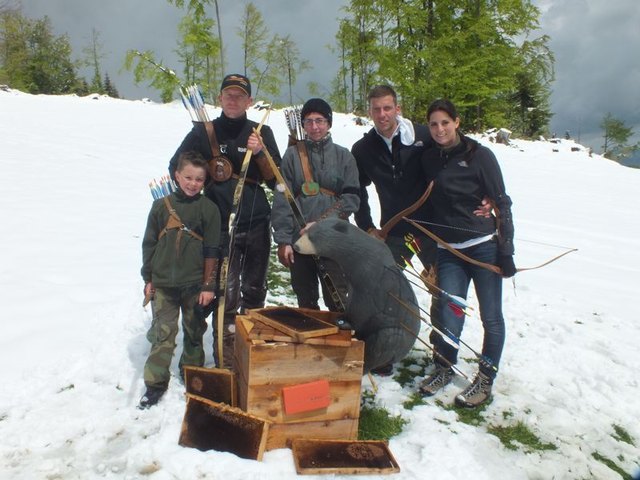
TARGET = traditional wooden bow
(386,228)
(488,266)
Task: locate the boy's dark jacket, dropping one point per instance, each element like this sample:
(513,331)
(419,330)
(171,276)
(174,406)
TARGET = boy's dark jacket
(232,135)
(168,264)
(463,176)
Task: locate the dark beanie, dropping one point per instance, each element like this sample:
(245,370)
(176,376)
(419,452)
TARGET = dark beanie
(317,105)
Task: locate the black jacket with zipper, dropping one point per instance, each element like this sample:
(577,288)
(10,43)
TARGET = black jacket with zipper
(463,176)
(232,135)
(397,177)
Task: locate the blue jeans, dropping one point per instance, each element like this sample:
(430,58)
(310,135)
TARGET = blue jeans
(454,277)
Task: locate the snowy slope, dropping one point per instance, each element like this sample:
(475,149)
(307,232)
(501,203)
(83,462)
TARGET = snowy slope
(74,205)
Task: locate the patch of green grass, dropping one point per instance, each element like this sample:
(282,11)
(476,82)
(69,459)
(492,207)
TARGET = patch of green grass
(470,416)
(622,435)
(612,465)
(406,376)
(377,424)
(3,417)
(415,399)
(278,276)
(71,386)
(411,367)
(471,360)
(519,434)
(368,399)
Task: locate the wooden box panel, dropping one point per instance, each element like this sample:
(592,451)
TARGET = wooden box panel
(258,330)
(214,384)
(294,322)
(317,457)
(209,425)
(281,435)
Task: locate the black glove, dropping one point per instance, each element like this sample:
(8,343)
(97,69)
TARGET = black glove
(505,262)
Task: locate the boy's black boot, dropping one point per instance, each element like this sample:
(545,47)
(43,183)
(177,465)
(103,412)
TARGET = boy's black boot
(151,397)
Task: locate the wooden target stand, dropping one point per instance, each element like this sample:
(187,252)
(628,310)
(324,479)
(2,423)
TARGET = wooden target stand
(296,378)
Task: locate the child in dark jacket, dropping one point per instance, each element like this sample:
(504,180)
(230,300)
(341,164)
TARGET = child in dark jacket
(180,253)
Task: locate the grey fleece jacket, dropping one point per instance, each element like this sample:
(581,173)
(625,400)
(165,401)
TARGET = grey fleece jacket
(334,169)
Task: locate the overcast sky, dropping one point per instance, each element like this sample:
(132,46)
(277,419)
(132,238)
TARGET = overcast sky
(595,42)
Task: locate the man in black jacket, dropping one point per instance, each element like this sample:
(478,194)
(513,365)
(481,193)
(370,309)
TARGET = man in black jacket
(389,157)
(225,149)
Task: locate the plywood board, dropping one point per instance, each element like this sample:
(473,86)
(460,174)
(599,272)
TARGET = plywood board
(341,339)
(262,331)
(216,384)
(324,315)
(209,425)
(294,322)
(318,457)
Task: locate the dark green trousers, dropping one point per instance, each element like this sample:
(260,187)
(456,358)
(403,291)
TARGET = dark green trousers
(167,306)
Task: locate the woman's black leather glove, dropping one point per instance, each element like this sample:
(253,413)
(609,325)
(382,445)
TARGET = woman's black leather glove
(505,262)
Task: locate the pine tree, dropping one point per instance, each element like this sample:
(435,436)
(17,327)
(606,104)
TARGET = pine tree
(464,50)
(616,135)
(268,77)
(530,112)
(32,58)
(197,8)
(359,42)
(288,61)
(93,55)
(339,96)
(198,51)
(253,35)
(109,88)
(82,88)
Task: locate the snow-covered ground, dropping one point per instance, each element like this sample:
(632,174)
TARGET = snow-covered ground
(72,344)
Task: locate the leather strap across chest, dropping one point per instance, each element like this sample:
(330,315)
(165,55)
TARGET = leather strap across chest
(306,168)
(213,140)
(173,222)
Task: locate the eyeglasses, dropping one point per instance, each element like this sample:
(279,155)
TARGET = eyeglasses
(307,122)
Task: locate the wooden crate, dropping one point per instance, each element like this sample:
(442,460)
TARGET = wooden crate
(264,368)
